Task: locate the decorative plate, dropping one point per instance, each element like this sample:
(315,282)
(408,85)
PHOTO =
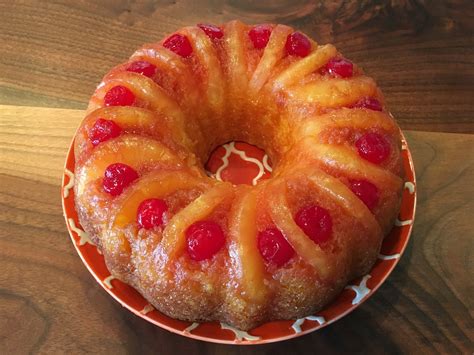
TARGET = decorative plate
(243,163)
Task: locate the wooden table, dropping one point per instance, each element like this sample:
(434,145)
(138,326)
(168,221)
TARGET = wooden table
(52,55)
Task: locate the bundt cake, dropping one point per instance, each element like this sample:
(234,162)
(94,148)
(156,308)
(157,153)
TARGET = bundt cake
(199,249)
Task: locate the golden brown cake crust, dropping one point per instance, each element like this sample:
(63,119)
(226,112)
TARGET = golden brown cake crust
(309,121)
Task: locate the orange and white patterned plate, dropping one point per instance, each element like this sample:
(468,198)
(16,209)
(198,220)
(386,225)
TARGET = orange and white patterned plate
(243,163)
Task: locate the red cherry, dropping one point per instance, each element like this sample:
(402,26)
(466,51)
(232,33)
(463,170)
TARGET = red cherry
(179,44)
(369,103)
(213,32)
(274,247)
(117,177)
(142,67)
(316,222)
(373,147)
(103,130)
(204,239)
(260,35)
(298,44)
(151,213)
(340,67)
(366,191)
(119,96)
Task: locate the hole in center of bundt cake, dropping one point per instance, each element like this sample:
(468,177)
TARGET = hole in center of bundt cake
(239,163)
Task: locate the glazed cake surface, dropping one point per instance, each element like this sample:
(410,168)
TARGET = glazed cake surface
(199,249)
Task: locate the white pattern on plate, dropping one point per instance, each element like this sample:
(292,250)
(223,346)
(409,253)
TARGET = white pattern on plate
(265,163)
(83,236)
(147,309)
(229,149)
(410,187)
(239,334)
(70,183)
(108,282)
(225,161)
(299,322)
(361,290)
(388,257)
(399,223)
(191,327)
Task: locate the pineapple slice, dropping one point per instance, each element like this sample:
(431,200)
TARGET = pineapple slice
(303,246)
(344,159)
(154,185)
(135,151)
(309,251)
(174,75)
(128,118)
(157,184)
(205,51)
(243,230)
(355,119)
(335,92)
(237,76)
(144,89)
(162,58)
(174,234)
(299,69)
(274,51)
(132,120)
(345,198)
(363,245)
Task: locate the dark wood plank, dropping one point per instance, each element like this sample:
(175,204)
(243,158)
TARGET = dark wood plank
(421,53)
(50,303)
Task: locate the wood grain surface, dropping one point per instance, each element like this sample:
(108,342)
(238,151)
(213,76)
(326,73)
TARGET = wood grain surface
(49,303)
(421,52)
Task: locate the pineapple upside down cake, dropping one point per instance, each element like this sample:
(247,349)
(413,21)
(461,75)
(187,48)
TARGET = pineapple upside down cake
(199,249)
